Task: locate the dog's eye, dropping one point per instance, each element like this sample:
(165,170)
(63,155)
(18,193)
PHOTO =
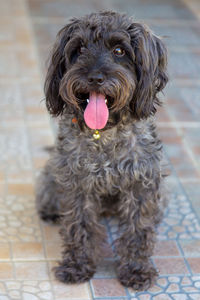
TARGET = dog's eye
(119,52)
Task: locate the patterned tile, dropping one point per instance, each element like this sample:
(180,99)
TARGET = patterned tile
(14,155)
(193,191)
(14,224)
(173,287)
(26,290)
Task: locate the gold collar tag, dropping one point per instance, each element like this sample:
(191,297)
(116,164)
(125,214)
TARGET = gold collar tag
(96,135)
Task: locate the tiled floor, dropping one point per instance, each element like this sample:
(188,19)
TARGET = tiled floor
(28,247)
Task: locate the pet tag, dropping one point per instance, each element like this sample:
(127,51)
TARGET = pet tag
(96,135)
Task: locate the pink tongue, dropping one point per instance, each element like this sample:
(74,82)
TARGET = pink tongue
(96,112)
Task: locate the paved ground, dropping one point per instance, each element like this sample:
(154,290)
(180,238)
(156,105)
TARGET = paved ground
(29,248)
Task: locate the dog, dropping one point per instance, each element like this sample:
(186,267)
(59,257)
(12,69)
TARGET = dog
(103,81)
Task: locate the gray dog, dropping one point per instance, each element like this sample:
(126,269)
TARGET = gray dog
(103,79)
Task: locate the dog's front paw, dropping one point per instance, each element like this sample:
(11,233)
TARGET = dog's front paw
(138,277)
(73,272)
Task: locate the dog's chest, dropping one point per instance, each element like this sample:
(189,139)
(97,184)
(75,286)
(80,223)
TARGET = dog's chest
(103,163)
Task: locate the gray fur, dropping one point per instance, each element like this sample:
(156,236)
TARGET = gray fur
(121,172)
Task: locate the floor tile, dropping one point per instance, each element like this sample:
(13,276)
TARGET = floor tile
(4,251)
(106,269)
(107,288)
(71,292)
(20,189)
(166,248)
(182,103)
(6,271)
(53,250)
(154,9)
(190,248)
(51,233)
(61,9)
(194,263)
(174,34)
(193,190)
(171,265)
(28,250)
(187,70)
(27,270)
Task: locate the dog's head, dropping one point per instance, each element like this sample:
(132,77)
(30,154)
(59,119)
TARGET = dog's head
(104,64)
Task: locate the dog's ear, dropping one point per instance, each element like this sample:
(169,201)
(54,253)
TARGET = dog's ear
(57,68)
(150,67)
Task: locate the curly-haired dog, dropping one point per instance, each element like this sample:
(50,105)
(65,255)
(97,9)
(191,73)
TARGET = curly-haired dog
(103,80)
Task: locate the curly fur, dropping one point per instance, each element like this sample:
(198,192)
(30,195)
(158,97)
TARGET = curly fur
(119,173)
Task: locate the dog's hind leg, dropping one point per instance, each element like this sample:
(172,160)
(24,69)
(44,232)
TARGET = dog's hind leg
(49,195)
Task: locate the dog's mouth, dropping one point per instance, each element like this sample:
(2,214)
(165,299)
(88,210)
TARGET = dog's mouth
(96,108)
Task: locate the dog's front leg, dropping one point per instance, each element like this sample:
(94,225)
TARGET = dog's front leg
(139,214)
(83,237)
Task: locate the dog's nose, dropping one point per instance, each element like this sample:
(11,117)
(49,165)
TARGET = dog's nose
(96,78)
